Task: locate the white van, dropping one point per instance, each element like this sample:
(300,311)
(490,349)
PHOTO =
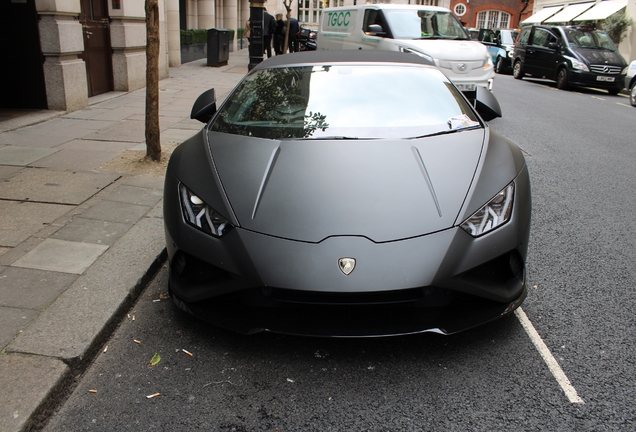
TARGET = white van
(428,31)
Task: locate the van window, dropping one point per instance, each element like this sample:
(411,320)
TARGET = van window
(543,37)
(525,35)
(424,24)
(374,16)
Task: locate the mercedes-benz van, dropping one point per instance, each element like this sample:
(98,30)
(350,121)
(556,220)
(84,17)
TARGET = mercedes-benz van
(428,31)
(571,56)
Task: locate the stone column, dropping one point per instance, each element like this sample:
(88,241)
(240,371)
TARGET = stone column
(230,18)
(174,34)
(62,43)
(207,15)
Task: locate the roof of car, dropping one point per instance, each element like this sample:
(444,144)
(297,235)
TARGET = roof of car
(342,56)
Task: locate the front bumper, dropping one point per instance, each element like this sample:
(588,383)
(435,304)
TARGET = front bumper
(590,79)
(443,282)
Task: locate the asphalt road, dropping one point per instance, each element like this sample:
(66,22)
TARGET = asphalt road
(581,153)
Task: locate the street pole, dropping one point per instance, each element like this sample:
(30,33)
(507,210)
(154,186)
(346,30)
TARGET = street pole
(256,33)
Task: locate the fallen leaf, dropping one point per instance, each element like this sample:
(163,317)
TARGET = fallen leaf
(154,360)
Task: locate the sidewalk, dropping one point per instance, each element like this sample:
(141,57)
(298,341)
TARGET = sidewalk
(78,241)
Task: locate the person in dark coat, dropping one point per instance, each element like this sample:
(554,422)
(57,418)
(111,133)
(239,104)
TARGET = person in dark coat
(268,30)
(279,34)
(294,28)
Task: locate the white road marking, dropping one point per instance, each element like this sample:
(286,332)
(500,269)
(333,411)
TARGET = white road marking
(549,359)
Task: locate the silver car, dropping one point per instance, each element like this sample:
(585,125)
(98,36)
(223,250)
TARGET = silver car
(630,82)
(347,193)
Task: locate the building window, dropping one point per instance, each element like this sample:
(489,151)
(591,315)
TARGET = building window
(313,9)
(493,19)
(427,2)
(460,9)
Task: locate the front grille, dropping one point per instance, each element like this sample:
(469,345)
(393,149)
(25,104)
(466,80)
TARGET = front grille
(605,69)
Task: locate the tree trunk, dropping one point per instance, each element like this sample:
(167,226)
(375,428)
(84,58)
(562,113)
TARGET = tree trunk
(153,143)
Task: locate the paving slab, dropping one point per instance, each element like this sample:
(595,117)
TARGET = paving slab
(33,140)
(125,130)
(61,187)
(20,220)
(61,256)
(116,212)
(31,289)
(135,195)
(12,321)
(9,171)
(25,382)
(92,231)
(22,156)
(76,159)
(70,326)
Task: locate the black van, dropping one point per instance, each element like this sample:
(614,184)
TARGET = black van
(569,55)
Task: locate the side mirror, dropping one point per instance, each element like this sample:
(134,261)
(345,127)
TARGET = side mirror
(375,30)
(204,107)
(487,104)
(553,45)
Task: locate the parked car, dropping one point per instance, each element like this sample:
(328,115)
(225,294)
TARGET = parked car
(306,39)
(571,56)
(304,207)
(500,44)
(630,82)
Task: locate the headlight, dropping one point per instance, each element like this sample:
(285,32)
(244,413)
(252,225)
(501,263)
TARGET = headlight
(576,64)
(199,214)
(488,64)
(510,53)
(492,215)
(624,72)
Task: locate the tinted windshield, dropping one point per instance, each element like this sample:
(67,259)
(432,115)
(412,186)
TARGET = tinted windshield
(589,39)
(347,102)
(424,24)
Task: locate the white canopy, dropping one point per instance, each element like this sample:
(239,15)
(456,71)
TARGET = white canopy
(570,12)
(542,15)
(602,10)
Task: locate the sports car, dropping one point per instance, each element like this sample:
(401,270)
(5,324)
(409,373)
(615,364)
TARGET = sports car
(347,194)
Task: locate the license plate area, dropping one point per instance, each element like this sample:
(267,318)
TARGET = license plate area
(605,78)
(466,87)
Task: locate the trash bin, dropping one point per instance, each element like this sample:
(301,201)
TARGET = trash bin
(218,47)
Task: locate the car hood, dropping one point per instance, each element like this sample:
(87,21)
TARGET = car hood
(601,56)
(445,49)
(384,190)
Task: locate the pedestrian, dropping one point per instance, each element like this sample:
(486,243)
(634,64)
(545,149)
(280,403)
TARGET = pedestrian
(269,26)
(247,32)
(279,34)
(294,28)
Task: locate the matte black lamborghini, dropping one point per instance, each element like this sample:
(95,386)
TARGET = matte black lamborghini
(347,194)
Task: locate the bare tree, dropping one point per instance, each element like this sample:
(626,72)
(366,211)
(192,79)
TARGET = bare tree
(153,143)
(287,4)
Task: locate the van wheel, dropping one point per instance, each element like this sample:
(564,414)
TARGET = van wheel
(562,79)
(517,70)
(632,95)
(499,65)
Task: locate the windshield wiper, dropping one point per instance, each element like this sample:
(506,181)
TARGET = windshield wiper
(334,137)
(450,131)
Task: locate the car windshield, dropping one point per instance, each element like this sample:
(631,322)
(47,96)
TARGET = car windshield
(424,24)
(592,39)
(357,101)
(508,37)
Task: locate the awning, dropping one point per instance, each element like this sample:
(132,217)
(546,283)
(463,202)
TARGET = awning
(602,10)
(542,15)
(570,12)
